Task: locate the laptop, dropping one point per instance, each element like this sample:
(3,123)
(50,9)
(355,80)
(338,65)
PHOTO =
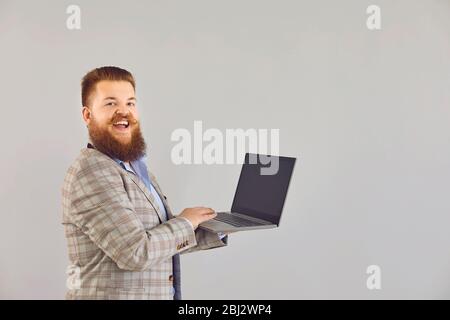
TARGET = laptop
(260,195)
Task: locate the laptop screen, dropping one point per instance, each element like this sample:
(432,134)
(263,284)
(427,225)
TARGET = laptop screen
(262,189)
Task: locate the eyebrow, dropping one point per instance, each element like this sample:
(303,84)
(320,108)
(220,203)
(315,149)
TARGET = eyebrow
(114,98)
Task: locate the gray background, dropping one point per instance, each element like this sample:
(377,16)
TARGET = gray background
(366,113)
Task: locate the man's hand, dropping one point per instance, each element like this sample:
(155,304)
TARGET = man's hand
(198,215)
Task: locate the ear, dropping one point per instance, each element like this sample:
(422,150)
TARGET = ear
(86,113)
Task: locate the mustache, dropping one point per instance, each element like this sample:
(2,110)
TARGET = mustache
(129,118)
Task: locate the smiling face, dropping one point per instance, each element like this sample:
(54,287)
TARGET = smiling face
(113,120)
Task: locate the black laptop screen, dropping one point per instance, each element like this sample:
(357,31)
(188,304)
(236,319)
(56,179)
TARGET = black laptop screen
(262,195)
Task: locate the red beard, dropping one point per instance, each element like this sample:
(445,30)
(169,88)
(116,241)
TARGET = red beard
(106,143)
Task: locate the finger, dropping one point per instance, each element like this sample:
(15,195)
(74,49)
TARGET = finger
(207,211)
(207,217)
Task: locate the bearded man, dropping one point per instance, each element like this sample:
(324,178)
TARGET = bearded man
(123,240)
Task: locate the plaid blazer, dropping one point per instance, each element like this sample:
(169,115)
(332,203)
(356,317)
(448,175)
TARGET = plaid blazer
(118,243)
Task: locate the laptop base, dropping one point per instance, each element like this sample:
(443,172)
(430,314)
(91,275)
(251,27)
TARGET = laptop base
(214,225)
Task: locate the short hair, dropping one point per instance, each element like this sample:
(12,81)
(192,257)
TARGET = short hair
(90,80)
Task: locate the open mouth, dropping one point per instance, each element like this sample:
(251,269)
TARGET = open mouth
(121,125)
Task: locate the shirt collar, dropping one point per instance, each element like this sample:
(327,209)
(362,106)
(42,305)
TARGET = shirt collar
(124,165)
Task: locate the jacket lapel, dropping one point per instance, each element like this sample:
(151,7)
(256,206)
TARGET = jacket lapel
(143,169)
(147,193)
(161,195)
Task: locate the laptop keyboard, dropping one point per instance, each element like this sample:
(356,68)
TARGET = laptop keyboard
(235,220)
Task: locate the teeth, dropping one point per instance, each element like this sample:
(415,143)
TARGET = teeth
(125,123)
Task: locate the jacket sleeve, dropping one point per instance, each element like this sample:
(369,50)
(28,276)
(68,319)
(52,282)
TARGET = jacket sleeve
(206,240)
(101,208)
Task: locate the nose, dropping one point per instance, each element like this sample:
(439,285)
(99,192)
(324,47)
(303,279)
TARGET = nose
(122,110)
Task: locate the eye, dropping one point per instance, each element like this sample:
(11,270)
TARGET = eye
(110,103)
(131,104)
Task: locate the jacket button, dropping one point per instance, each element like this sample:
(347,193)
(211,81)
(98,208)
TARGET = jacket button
(171,278)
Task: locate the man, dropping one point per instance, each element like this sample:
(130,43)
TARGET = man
(123,240)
